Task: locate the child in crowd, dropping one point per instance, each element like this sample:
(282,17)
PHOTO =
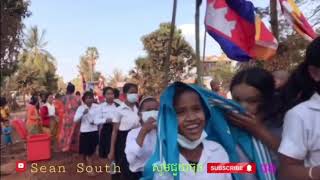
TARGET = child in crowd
(182,121)
(7,130)
(141,141)
(127,119)
(300,144)
(89,136)
(108,112)
(4,112)
(192,130)
(254,89)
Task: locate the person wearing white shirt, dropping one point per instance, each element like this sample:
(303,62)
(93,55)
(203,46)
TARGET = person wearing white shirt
(194,148)
(141,141)
(107,112)
(127,118)
(300,144)
(89,136)
(52,115)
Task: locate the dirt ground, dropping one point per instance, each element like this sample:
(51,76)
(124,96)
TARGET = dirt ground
(17,151)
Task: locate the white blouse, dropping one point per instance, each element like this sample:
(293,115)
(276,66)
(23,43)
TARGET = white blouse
(138,156)
(212,152)
(301,132)
(127,117)
(87,120)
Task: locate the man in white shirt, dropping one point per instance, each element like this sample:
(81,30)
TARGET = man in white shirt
(108,113)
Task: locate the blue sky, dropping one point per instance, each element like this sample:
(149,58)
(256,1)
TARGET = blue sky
(114,27)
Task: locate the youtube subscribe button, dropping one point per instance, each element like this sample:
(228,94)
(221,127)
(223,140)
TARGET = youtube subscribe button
(240,168)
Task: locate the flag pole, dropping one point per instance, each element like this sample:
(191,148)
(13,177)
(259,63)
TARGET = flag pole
(197,37)
(274,18)
(172,29)
(204,52)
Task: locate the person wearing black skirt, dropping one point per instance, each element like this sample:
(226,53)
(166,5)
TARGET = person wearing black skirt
(107,110)
(89,135)
(126,119)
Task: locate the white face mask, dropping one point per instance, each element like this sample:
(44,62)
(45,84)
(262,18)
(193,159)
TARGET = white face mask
(186,143)
(149,114)
(132,98)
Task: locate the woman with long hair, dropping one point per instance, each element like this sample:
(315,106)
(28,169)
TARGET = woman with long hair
(300,144)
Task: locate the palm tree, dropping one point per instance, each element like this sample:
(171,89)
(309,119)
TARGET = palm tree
(116,78)
(34,52)
(92,55)
(35,58)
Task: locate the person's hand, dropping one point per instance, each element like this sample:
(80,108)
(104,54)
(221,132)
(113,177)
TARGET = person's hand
(149,125)
(85,111)
(246,121)
(111,156)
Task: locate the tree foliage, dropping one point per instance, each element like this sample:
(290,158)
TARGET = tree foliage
(12,14)
(149,70)
(85,67)
(116,77)
(37,67)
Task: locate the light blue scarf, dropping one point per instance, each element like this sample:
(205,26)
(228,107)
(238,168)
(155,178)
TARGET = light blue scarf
(216,127)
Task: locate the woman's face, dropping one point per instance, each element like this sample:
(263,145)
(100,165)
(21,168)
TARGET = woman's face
(247,96)
(190,114)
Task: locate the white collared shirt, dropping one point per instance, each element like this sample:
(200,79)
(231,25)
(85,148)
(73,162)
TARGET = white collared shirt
(107,112)
(127,117)
(138,156)
(301,132)
(87,120)
(212,152)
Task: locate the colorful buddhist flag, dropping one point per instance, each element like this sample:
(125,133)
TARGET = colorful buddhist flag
(297,19)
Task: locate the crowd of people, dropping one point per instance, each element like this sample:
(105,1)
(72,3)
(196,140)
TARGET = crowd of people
(273,118)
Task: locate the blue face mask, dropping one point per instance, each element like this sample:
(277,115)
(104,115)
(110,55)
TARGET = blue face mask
(132,97)
(186,143)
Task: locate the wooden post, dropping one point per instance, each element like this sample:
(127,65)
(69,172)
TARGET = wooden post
(172,29)
(274,18)
(197,20)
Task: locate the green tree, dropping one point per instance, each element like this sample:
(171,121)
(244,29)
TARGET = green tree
(38,62)
(12,14)
(151,68)
(87,64)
